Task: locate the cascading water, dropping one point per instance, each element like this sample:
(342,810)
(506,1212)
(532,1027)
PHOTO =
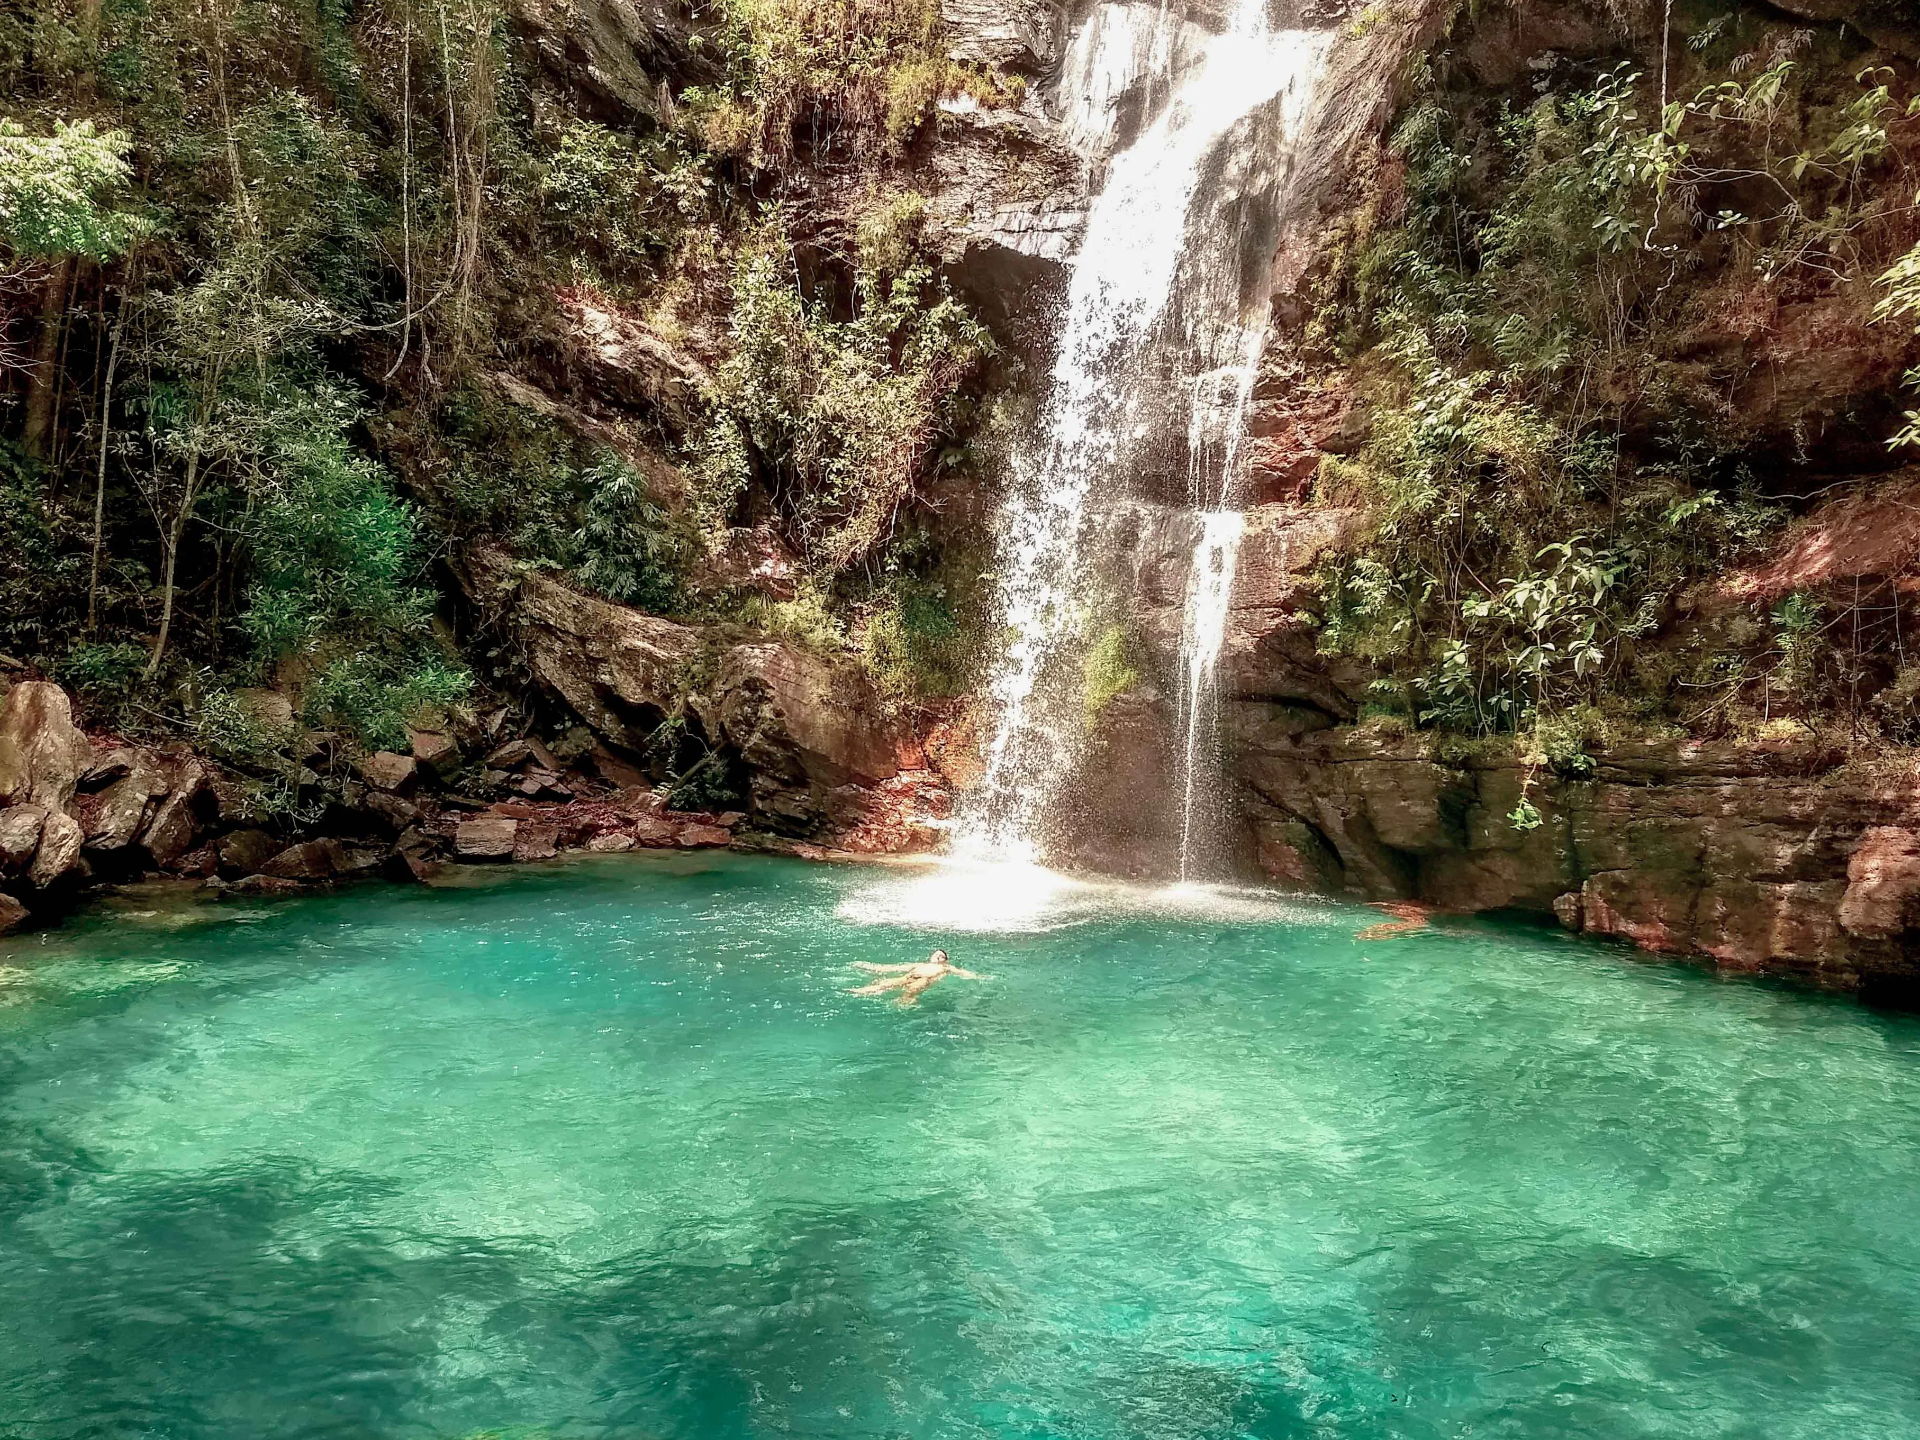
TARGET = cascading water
(1209,595)
(1218,419)
(1156,307)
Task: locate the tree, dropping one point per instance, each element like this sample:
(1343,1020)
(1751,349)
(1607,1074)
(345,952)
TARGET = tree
(55,208)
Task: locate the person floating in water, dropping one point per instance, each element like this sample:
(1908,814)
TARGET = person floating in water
(911,980)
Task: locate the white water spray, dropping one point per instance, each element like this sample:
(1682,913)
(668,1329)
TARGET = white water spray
(1146,237)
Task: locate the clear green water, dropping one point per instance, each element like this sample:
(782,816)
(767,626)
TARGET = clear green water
(606,1150)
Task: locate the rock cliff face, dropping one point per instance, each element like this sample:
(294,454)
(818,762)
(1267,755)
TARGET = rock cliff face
(1766,858)
(810,736)
(1782,857)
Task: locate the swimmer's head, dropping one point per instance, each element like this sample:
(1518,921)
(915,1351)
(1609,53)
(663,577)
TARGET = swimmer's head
(938,957)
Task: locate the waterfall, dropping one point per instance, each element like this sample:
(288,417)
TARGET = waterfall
(1160,293)
(1209,593)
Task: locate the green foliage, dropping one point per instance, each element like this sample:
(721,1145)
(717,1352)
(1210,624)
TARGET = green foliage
(1564,742)
(699,777)
(101,669)
(334,548)
(1797,626)
(375,693)
(337,560)
(56,191)
(626,545)
(1522,556)
(517,476)
(43,577)
(810,618)
(838,416)
(227,727)
(860,72)
(914,644)
(624,198)
(310,227)
(1111,669)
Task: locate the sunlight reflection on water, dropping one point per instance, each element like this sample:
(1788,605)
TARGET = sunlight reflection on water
(977,898)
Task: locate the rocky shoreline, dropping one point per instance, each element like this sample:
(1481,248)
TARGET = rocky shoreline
(81,813)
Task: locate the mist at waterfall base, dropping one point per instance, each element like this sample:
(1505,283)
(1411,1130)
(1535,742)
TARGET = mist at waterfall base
(607,1150)
(1158,304)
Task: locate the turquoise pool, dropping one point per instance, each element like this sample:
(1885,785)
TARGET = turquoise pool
(606,1149)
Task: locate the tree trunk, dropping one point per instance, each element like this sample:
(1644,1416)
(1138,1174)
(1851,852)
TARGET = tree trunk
(43,380)
(100,486)
(175,533)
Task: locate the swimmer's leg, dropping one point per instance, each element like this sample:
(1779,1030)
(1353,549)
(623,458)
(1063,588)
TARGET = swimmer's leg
(880,987)
(914,987)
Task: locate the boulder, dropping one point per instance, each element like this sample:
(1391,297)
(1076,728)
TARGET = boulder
(536,842)
(171,831)
(59,852)
(616,351)
(489,837)
(508,756)
(435,750)
(358,860)
(246,852)
(386,770)
(654,833)
(42,752)
(621,671)
(12,913)
(610,844)
(694,837)
(108,766)
(1570,910)
(792,713)
(20,827)
(311,860)
(120,812)
(804,723)
(393,812)
(267,708)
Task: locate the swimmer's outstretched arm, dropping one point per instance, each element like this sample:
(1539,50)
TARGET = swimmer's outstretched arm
(965,974)
(873,969)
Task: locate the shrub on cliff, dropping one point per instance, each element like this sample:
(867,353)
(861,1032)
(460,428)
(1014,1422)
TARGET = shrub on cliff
(853,74)
(836,418)
(1545,479)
